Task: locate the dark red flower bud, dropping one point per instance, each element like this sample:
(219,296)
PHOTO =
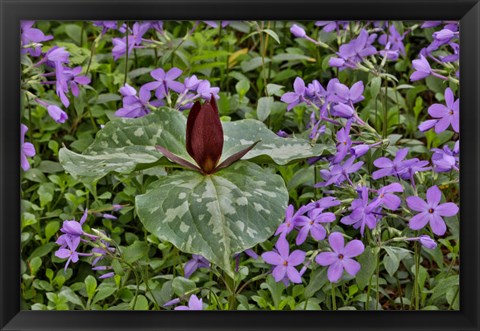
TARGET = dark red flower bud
(205,140)
(205,135)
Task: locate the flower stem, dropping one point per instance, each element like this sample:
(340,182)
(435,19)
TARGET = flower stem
(377,281)
(417,267)
(126,58)
(334,303)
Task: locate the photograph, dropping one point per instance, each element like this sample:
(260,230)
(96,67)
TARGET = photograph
(237,165)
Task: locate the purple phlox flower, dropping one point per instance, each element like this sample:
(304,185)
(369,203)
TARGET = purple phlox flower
(202,89)
(214,24)
(72,232)
(32,38)
(346,111)
(158,26)
(342,94)
(445,35)
(338,173)
(282,134)
(109,25)
(444,160)
(120,46)
(69,79)
(133,105)
(194,303)
(109,216)
(431,211)
(394,39)
(392,168)
(117,207)
(134,39)
(195,263)
(329,26)
(205,91)
(100,252)
(67,252)
(284,262)
(321,205)
(316,92)
(251,253)
(313,225)
(73,78)
(57,114)
(422,69)
(362,149)
(296,97)
(164,81)
(390,53)
(344,143)
(341,258)
(362,213)
(413,168)
(317,130)
(191,83)
(386,198)
(107,275)
(452,57)
(353,52)
(171,302)
(425,241)
(138,30)
(430,24)
(289,224)
(446,115)
(26,149)
(298,31)
(56,56)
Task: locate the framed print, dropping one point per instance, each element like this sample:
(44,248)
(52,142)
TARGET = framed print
(239,165)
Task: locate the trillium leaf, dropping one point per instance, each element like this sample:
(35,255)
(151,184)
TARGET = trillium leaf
(125,145)
(218,215)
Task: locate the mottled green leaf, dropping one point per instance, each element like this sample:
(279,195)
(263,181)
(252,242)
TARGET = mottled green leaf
(218,215)
(125,145)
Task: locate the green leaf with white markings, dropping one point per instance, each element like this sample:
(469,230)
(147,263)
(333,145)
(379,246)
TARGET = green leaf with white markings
(218,215)
(126,145)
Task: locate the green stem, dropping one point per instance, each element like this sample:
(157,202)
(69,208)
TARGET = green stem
(334,303)
(145,279)
(92,53)
(417,268)
(399,290)
(126,58)
(367,303)
(377,281)
(385,110)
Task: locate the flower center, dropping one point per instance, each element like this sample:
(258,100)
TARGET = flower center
(344,142)
(382,195)
(430,210)
(451,112)
(311,222)
(340,256)
(285,263)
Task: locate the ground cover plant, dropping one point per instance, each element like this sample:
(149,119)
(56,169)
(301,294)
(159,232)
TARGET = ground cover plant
(240,165)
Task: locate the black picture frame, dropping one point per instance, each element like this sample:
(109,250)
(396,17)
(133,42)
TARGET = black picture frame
(12,11)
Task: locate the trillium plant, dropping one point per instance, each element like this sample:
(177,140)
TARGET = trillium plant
(204,140)
(240,165)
